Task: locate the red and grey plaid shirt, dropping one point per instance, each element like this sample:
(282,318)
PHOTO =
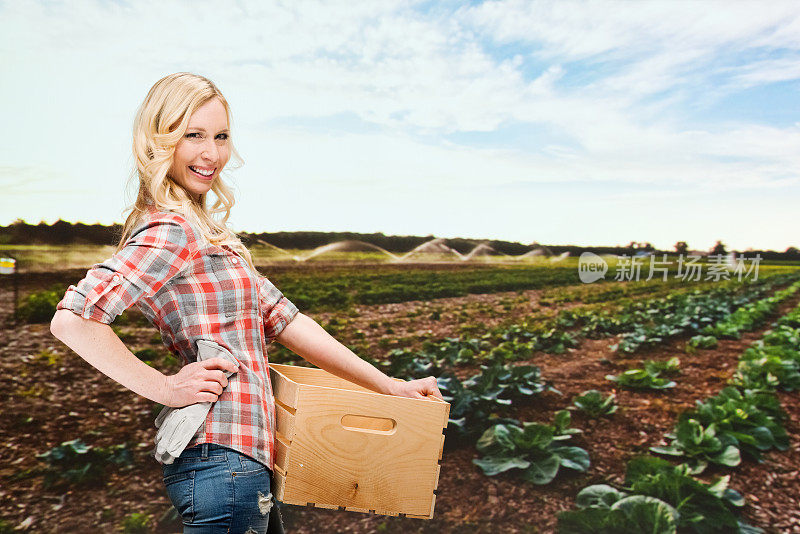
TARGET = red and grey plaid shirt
(190,291)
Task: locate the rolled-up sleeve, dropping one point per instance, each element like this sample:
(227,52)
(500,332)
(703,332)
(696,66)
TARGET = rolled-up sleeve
(277,311)
(156,252)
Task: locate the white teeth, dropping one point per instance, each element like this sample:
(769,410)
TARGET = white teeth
(199,171)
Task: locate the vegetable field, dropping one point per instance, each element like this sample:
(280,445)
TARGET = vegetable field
(614,407)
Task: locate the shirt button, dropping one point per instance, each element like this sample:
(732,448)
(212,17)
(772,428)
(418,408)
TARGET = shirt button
(235,260)
(117,277)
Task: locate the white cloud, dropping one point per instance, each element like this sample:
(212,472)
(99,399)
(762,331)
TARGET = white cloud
(80,69)
(767,71)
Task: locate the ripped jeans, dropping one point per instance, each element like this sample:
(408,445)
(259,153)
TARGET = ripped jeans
(219,490)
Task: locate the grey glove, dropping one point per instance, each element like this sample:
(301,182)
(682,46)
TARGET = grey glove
(177,426)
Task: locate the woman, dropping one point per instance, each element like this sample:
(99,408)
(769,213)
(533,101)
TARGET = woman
(193,279)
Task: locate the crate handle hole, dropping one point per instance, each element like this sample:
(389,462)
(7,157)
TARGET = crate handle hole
(370,425)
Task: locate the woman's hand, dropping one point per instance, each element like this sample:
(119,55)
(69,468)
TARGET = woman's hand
(197,382)
(417,389)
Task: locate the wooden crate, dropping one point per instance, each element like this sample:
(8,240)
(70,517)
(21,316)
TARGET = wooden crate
(339,445)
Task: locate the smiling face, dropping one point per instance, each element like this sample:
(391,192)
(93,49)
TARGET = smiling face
(204,149)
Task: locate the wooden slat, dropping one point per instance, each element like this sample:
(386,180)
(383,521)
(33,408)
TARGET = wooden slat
(283,389)
(281,454)
(387,512)
(279,479)
(284,422)
(429,516)
(316,377)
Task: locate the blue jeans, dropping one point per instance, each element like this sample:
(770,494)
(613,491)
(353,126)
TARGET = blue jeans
(219,490)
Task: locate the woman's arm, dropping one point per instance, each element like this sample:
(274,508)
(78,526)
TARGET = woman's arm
(97,343)
(310,341)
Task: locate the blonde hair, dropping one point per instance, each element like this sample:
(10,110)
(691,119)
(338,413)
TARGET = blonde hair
(161,121)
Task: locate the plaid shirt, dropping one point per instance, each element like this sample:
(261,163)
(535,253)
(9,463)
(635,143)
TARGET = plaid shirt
(192,290)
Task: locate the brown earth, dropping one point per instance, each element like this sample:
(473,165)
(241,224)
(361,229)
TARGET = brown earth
(51,395)
(469,500)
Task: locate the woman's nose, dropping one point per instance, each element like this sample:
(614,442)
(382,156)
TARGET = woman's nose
(210,152)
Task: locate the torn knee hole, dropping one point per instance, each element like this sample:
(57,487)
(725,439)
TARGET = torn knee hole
(264,503)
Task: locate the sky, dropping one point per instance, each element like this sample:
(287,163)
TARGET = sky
(583,123)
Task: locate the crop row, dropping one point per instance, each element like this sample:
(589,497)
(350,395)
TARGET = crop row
(650,322)
(476,399)
(746,318)
(537,451)
(589,293)
(344,289)
(519,341)
(744,418)
(341,288)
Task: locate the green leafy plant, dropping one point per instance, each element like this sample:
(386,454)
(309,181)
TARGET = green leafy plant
(703,508)
(78,463)
(479,399)
(641,379)
(470,410)
(40,306)
(750,420)
(148,354)
(702,342)
(137,523)
(555,341)
(701,445)
(656,367)
(791,319)
(667,499)
(52,358)
(6,527)
(537,449)
(772,365)
(626,514)
(595,404)
(749,317)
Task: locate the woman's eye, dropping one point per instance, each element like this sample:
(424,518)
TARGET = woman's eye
(193,134)
(223,136)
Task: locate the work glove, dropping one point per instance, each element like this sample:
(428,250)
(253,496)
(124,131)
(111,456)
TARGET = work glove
(177,426)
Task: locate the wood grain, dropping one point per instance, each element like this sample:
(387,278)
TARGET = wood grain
(384,458)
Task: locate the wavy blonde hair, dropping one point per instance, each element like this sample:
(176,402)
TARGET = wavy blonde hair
(161,121)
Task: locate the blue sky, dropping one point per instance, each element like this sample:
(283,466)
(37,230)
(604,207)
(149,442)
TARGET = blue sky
(588,123)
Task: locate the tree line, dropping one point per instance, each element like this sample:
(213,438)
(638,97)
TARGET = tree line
(66,233)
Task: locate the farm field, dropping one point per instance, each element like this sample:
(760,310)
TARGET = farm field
(511,344)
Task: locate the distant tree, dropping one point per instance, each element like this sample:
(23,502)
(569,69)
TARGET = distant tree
(719,248)
(61,231)
(792,252)
(635,245)
(681,247)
